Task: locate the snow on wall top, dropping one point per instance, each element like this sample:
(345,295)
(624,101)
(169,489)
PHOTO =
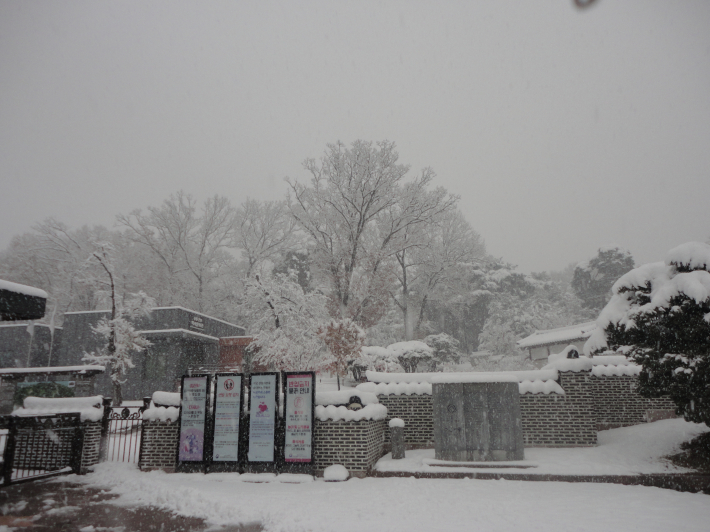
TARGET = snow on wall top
(90,408)
(338,413)
(166,398)
(558,336)
(22,289)
(399,378)
(396,388)
(53,369)
(560,362)
(161,413)
(536,381)
(450,378)
(342,397)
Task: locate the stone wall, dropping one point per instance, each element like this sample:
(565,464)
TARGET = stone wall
(417,413)
(357,445)
(617,404)
(159,445)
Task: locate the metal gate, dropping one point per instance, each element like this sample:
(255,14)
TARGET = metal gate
(123,442)
(40,446)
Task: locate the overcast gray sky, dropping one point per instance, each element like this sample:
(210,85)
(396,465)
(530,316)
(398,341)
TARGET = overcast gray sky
(562,130)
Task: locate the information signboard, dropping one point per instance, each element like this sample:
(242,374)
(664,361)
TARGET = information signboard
(193,418)
(263,406)
(227,413)
(299,393)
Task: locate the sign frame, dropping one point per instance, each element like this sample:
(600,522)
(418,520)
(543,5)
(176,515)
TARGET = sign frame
(300,467)
(194,466)
(258,466)
(215,466)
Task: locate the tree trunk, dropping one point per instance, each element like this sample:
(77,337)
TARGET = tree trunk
(117,394)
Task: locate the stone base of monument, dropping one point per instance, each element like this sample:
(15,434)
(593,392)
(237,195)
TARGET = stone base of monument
(477,418)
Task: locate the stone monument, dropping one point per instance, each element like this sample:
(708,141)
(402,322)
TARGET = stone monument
(477,417)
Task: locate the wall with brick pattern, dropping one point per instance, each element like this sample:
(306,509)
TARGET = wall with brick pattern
(561,420)
(357,445)
(92,442)
(159,445)
(417,413)
(617,404)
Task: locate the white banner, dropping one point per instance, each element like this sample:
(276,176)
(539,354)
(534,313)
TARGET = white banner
(228,405)
(192,419)
(262,418)
(299,390)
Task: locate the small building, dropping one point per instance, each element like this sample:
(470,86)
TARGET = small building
(181,339)
(25,345)
(542,344)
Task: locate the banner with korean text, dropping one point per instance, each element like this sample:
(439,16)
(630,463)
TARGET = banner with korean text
(227,412)
(193,417)
(263,406)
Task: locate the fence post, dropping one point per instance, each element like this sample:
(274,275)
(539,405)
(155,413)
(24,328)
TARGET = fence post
(105,422)
(146,403)
(9,454)
(77,448)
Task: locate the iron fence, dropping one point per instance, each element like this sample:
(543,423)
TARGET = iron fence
(40,446)
(123,442)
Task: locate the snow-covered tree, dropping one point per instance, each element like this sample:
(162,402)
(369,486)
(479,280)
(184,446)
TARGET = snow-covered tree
(285,322)
(120,339)
(593,279)
(356,212)
(659,316)
(410,354)
(374,358)
(445,349)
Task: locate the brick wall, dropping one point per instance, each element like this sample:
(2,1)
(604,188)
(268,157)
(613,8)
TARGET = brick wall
(617,404)
(357,445)
(561,420)
(159,445)
(92,441)
(548,420)
(417,413)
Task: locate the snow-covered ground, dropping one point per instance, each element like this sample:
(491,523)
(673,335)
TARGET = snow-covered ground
(297,503)
(625,451)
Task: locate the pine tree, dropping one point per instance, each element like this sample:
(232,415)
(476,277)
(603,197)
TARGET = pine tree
(660,316)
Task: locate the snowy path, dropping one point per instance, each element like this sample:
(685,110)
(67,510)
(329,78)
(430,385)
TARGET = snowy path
(406,504)
(625,451)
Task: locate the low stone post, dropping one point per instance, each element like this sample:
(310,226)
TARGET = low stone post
(397,438)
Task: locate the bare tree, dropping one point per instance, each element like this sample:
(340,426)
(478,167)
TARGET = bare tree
(118,333)
(191,247)
(263,231)
(433,260)
(357,211)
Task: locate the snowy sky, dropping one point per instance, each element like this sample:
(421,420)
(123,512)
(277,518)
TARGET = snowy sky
(562,130)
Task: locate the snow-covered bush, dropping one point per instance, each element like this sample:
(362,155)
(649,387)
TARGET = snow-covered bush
(659,316)
(445,349)
(410,354)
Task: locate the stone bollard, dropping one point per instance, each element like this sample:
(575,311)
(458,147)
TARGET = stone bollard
(397,438)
